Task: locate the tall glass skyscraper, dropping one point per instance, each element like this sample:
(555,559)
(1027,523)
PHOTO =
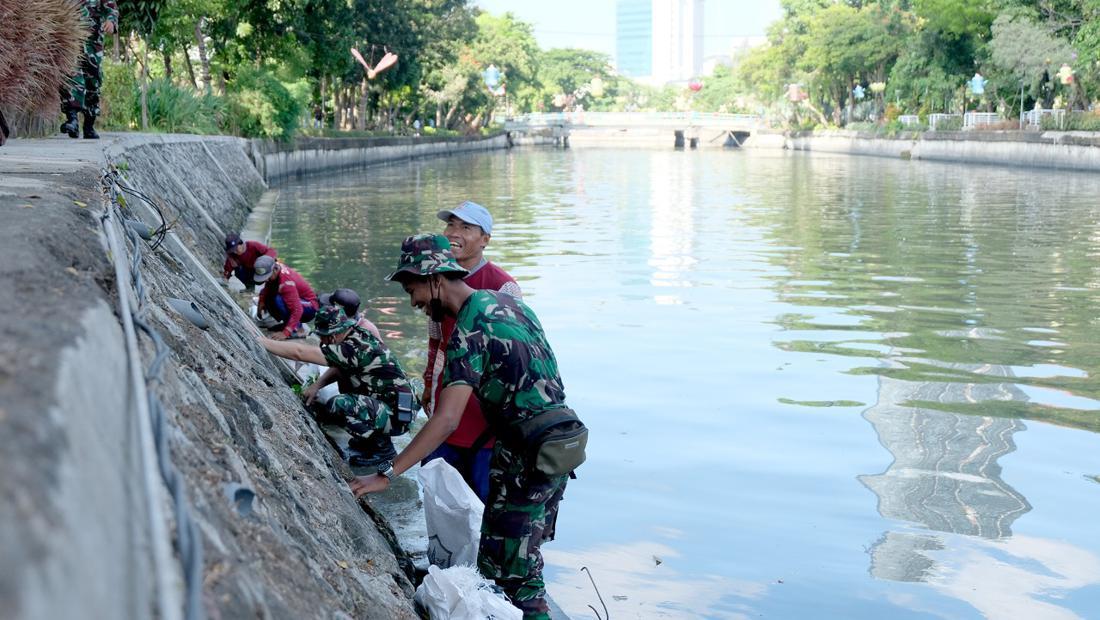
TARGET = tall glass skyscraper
(634,38)
(659,41)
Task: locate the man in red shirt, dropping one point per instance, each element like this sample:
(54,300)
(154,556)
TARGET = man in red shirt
(240,258)
(469,447)
(286,296)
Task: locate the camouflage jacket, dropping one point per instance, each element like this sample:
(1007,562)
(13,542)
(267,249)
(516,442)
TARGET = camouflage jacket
(498,347)
(367,367)
(99,11)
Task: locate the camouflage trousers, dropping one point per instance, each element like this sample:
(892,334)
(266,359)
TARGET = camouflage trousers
(520,515)
(363,415)
(81,92)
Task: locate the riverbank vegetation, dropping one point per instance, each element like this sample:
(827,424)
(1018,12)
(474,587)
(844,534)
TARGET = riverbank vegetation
(833,62)
(273,69)
(257,68)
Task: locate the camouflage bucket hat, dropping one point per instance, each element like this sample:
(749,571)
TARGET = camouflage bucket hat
(425,254)
(332,320)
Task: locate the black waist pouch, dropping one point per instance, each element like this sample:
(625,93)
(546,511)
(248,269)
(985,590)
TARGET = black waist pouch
(554,441)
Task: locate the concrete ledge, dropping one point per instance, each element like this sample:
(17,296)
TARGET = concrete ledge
(1053,150)
(277,162)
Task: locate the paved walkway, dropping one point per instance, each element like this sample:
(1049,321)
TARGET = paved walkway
(51,156)
(51,268)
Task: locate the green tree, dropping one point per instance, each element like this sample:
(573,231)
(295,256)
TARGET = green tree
(566,71)
(509,44)
(1029,53)
(845,45)
(957,19)
(724,91)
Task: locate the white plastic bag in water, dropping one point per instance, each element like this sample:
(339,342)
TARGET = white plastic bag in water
(460,593)
(453,515)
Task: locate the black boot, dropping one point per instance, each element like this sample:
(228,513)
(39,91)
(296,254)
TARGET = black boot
(71,125)
(89,127)
(4,131)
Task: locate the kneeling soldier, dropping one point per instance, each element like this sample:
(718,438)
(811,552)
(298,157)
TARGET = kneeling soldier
(376,396)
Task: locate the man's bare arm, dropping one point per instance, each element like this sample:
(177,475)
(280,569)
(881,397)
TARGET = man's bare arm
(297,351)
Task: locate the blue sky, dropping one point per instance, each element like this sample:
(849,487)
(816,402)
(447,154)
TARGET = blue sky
(591,23)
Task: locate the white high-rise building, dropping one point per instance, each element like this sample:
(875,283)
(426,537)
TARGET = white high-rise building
(677,40)
(660,41)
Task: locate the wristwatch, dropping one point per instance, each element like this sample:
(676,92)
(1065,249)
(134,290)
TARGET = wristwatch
(385,468)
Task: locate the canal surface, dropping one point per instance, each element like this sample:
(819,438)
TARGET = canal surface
(817,386)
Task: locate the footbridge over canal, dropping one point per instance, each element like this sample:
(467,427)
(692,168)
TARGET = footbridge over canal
(690,129)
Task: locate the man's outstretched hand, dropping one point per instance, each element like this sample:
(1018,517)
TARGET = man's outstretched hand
(361,485)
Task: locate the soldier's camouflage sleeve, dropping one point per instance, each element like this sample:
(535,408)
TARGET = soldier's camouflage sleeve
(465,361)
(108,12)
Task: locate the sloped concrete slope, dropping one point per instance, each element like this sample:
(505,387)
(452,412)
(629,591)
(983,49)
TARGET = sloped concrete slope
(309,549)
(205,185)
(75,541)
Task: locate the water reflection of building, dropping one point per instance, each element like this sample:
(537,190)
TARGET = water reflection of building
(945,475)
(672,223)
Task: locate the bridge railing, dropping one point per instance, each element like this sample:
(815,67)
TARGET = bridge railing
(641,119)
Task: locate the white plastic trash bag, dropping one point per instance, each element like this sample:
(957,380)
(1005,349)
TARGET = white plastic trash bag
(453,515)
(460,593)
(308,373)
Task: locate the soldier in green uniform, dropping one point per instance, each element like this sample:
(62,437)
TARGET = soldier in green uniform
(376,396)
(81,94)
(499,350)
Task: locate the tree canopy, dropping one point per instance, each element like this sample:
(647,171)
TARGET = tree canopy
(925,51)
(271,66)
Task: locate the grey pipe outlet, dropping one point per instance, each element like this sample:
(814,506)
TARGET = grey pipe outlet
(190,311)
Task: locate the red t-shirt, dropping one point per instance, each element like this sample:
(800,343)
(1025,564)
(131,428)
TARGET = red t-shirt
(472,424)
(252,251)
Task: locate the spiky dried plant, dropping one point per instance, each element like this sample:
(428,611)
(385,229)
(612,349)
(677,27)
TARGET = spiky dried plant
(40,46)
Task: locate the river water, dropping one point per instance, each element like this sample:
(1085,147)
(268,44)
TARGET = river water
(817,386)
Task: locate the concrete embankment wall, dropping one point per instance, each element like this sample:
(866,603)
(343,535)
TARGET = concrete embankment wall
(304,156)
(1060,150)
(81,525)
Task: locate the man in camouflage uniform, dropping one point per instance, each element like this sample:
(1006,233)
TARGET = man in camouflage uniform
(81,94)
(376,396)
(498,349)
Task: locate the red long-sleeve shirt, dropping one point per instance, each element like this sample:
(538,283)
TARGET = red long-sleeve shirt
(488,277)
(294,290)
(252,251)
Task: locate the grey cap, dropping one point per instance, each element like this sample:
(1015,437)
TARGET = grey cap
(471,213)
(262,268)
